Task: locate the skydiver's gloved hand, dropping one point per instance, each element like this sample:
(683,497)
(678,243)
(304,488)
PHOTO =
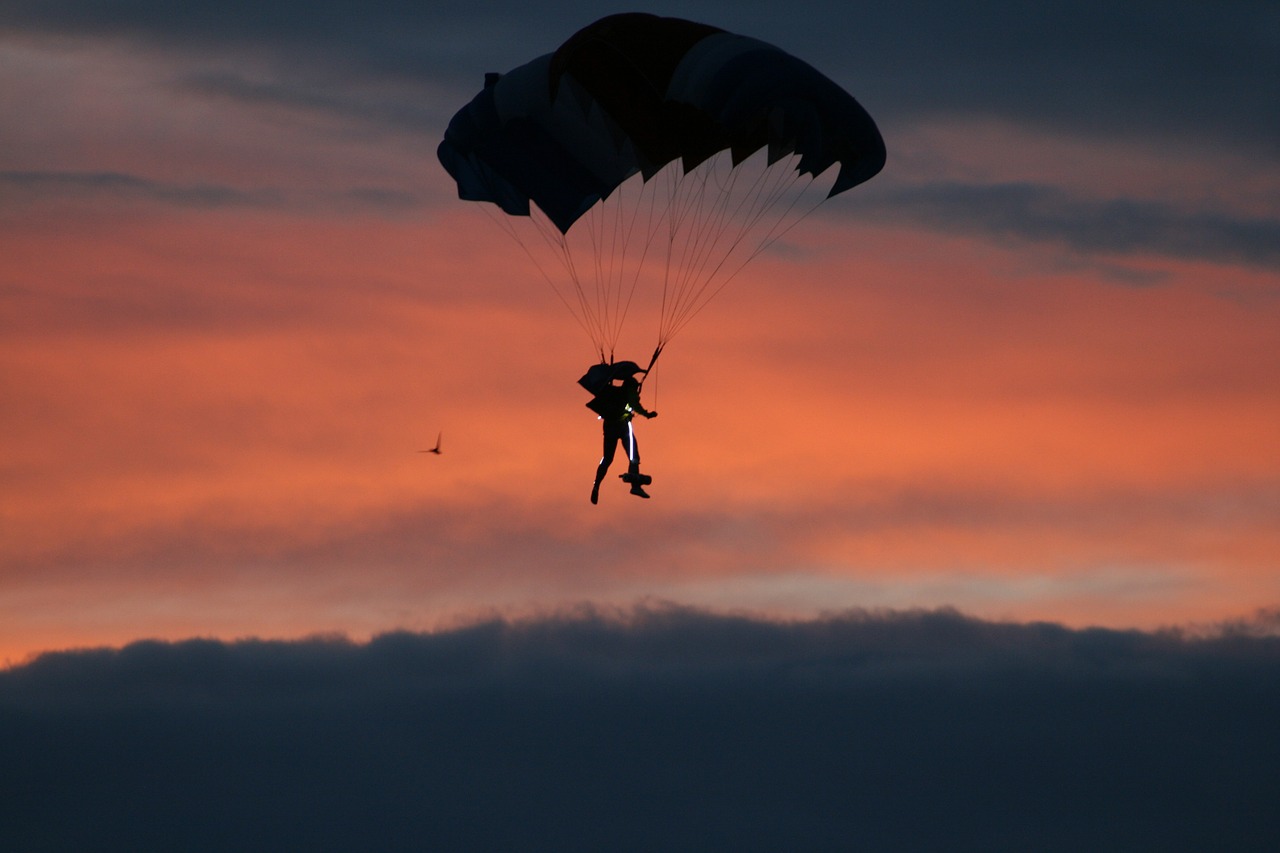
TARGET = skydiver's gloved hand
(651,415)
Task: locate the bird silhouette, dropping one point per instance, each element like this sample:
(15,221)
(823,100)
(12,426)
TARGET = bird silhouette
(436,449)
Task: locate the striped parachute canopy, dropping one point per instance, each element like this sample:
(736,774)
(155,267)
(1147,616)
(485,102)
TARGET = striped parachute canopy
(680,147)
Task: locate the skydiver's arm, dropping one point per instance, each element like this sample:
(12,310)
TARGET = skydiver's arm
(635,407)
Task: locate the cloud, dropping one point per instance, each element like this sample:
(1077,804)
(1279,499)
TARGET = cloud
(1025,212)
(1105,227)
(121,186)
(384,38)
(656,728)
(1179,75)
(386,107)
(1188,70)
(29,186)
(1182,70)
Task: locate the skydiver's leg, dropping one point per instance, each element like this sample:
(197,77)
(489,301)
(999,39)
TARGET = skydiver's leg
(633,447)
(611,439)
(610,447)
(633,457)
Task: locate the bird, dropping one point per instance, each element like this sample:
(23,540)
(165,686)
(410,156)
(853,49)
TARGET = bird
(436,449)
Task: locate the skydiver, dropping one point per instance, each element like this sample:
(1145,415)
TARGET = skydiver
(621,403)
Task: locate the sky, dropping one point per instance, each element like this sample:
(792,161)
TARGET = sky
(983,439)
(1031,370)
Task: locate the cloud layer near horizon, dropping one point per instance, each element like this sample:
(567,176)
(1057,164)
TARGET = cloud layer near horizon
(660,728)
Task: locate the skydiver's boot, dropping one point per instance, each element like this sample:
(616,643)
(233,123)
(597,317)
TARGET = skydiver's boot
(636,479)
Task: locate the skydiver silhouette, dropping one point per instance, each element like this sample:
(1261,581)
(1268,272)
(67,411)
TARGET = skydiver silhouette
(618,405)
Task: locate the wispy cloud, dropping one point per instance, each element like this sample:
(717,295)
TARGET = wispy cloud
(1103,227)
(120,186)
(386,107)
(19,187)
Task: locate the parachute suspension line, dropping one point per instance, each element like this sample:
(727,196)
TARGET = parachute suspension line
(603,225)
(717,218)
(699,238)
(708,224)
(703,220)
(645,206)
(624,228)
(617,236)
(719,227)
(779,229)
(558,243)
(648,372)
(670,216)
(687,193)
(606,292)
(714,220)
(624,272)
(784,222)
(506,225)
(590,226)
(617,233)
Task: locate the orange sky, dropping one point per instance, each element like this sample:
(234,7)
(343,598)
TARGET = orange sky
(212,410)
(221,440)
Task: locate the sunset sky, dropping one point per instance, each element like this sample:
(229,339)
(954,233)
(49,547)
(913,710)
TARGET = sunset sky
(1031,371)
(965,518)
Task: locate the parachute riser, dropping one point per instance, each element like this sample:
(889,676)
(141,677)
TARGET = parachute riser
(657,351)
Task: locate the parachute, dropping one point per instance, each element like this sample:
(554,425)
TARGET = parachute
(647,159)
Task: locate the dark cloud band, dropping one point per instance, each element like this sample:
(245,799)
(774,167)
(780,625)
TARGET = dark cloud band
(1042,213)
(1192,70)
(659,729)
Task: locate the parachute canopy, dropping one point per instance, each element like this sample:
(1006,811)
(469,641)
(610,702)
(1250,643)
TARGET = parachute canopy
(633,92)
(648,159)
